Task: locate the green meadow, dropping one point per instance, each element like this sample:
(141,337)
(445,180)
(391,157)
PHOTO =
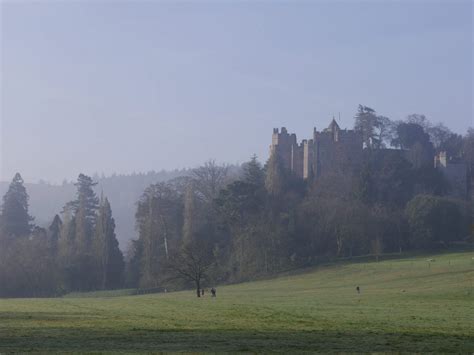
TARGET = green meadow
(405,305)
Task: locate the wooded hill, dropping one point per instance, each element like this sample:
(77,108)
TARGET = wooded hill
(217,224)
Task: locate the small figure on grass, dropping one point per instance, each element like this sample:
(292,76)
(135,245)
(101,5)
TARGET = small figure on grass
(213,292)
(358,289)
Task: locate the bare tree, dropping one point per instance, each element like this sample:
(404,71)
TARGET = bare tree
(209,179)
(192,263)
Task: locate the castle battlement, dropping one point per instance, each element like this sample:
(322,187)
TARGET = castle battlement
(331,149)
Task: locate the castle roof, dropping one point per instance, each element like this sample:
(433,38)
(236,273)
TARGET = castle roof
(333,125)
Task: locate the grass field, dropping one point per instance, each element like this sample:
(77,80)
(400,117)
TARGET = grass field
(405,305)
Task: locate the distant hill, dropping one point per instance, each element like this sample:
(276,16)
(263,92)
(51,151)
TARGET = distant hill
(123,191)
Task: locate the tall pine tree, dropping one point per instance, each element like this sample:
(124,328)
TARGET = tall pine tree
(85,213)
(14,219)
(76,243)
(254,173)
(54,235)
(110,262)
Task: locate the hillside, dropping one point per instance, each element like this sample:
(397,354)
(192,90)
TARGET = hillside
(418,304)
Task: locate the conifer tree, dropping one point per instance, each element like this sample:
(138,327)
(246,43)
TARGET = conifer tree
(275,175)
(367,123)
(66,249)
(66,234)
(85,210)
(76,247)
(110,263)
(54,235)
(253,172)
(14,218)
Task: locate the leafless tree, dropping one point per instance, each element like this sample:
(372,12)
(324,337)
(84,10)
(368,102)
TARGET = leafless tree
(209,179)
(192,263)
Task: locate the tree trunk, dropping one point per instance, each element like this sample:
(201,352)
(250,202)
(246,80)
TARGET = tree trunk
(198,288)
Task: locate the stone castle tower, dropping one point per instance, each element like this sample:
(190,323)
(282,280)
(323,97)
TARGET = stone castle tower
(333,150)
(456,174)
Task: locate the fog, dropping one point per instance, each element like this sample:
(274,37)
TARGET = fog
(135,86)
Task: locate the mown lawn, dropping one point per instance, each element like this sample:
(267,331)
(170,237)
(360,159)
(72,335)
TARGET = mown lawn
(405,305)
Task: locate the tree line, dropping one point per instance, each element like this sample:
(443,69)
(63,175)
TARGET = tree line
(212,226)
(122,191)
(78,252)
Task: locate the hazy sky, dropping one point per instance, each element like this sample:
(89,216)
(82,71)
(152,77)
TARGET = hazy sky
(90,86)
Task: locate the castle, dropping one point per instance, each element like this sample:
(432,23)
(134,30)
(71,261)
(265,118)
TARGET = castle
(333,150)
(340,151)
(456,174)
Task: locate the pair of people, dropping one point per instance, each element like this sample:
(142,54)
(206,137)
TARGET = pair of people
(213,292)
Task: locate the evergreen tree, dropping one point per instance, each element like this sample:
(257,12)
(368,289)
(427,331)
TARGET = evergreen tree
(133,264)
(66,250)
(253,172)
(85,213)
(86,196)
(66,235)
(367,122)
(54,235)
(110,263)
(83,231)
(14,219)
(275,176)
(76,249)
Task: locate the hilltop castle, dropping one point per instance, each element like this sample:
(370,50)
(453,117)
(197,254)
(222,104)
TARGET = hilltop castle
(340,151)
(333,150)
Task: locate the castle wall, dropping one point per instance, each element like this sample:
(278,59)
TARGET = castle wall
(287,148)
(456,175)
(330,151)
(309,162)
(297,160)
(337,152)
(282,143)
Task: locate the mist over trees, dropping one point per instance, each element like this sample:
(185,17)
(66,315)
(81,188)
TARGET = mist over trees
(268,220)
(78,252)
(218,224)
(122,191)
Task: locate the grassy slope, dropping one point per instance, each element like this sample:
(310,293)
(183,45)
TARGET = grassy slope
(405,305)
